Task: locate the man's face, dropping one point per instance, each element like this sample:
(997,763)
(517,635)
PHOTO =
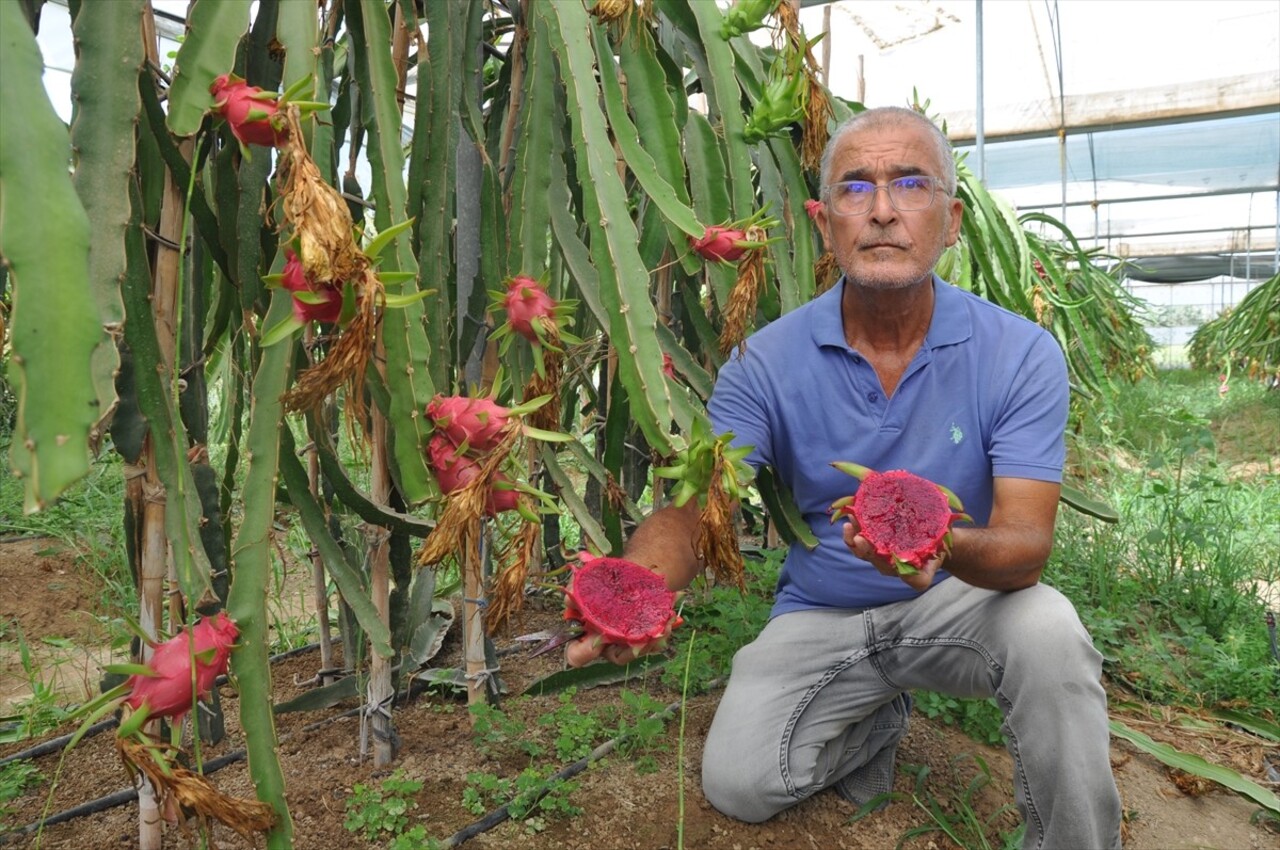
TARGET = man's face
(885,248)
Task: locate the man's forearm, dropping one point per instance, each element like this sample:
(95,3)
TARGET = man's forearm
(664,543)
(1006,558)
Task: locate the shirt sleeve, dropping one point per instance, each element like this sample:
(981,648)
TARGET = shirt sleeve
(1028,439)
(738,404)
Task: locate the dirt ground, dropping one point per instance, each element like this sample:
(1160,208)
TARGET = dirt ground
(44,592)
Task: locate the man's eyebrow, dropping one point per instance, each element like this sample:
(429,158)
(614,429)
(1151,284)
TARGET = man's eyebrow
(895,170)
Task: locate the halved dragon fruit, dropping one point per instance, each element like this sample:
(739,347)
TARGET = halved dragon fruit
(905,517)
(619,600)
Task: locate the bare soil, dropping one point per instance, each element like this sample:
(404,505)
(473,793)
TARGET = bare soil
(45,592)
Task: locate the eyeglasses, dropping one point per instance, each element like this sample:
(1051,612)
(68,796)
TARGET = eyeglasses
(857,197)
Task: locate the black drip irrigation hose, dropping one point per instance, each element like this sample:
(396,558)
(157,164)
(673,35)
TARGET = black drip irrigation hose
(128,795)
(484,824)
(503,813)
(53,745)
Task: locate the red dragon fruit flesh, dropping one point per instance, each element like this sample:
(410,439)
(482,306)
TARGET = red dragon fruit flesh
(905,517)
(621,601)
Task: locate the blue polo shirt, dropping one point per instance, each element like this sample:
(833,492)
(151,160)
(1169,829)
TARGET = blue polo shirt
(986,395)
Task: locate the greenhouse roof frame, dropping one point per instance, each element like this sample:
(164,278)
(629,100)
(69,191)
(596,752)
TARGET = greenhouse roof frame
(1169,147)
(1150,134)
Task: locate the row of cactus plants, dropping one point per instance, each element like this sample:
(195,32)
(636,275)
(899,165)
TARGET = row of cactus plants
(622,184)
(1245,339)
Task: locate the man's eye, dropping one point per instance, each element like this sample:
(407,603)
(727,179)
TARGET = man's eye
(858,187)
(912,183)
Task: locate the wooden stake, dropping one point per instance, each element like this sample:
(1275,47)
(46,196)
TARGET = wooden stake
(472,621)
(380,692)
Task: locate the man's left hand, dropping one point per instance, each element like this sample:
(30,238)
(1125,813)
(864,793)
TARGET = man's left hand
(920,580)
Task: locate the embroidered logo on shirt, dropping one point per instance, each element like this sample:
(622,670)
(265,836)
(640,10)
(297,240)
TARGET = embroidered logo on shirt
(956,434)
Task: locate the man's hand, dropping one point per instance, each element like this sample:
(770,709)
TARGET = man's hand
(589,647)
(920,580)
(1008,553)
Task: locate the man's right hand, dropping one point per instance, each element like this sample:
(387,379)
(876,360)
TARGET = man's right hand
(589,647)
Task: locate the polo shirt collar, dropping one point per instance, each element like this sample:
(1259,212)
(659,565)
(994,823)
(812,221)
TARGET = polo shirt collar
(950,324)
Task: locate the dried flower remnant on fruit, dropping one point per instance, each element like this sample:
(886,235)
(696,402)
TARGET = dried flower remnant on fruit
(740,312)
(184,793)
(322,228)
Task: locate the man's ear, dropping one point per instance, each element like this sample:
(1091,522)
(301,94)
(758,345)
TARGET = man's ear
(955,214)
(822,220)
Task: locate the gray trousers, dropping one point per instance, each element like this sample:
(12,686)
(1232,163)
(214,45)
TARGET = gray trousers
(813,698)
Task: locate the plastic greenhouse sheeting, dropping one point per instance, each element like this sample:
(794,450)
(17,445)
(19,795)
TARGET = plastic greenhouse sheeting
(1170,110)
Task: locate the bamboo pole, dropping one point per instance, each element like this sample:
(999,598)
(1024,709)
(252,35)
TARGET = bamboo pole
(320,583)
(155,562)
(473,604)
(319,580)
(380,692)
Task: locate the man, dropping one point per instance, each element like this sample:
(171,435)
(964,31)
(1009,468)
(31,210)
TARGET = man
(896,369)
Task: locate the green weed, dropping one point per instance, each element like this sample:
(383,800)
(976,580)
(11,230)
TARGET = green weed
(530,797)
(575,732)
(567,733)
(980,719)
(641,729)
(39,713)
(15,778)
(726,619)
(381,812)
(495,733)
(955,817)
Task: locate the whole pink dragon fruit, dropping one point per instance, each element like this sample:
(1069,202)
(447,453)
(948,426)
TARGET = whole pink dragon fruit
(529,308)
(166,692)
(455,470)
(476,423)
(720,244)
(294,278)
(251,112)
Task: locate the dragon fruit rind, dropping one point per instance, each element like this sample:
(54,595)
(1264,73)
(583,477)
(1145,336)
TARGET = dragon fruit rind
(905,517)
(621,601)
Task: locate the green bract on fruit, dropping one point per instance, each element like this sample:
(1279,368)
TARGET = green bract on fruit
(250,112)
(905,517)
(620,601)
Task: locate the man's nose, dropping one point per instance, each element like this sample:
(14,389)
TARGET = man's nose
(882,208)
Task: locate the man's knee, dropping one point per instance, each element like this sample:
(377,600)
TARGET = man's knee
(1041,624)
(730,795)
(738,788)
